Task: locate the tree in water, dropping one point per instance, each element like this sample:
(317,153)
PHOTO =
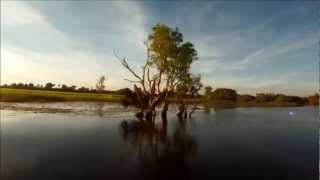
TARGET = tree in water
(168,62)
(189,89)
(100,84)
(162,154)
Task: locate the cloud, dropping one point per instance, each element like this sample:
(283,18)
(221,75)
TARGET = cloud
(72,42)
(252,46)
(21,65)
(286,83)
(25,27)
(36,50)
(18,13)
(280,47)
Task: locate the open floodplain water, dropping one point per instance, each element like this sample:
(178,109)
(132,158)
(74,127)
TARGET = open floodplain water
(101,141)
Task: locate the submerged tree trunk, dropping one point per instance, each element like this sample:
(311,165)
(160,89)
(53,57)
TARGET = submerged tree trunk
(165,110)
(140,115)
(149,115)
(181,111)
(193,110)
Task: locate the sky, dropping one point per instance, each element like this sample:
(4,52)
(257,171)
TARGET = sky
(249,46)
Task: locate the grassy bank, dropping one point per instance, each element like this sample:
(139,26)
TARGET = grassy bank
(26,95)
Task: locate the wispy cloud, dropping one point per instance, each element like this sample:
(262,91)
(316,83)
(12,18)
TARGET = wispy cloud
(18,13)
(289,83)
(239,46)
(282,46)
(35,50)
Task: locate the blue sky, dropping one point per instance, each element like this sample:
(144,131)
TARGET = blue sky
(249,46)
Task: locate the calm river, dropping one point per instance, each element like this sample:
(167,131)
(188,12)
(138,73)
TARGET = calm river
(89,141)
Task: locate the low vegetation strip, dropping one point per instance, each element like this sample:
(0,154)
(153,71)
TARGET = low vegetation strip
(26,95)
(32,95)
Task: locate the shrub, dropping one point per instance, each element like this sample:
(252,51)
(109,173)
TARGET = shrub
(295,99)
(290,99)
(261,97)
(313,100)
(281,98)
(224,94)
(123,91)
(245,98)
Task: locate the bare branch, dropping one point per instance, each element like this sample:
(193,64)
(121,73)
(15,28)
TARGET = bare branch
(143,76)
(148,77)
(126,65)
(132,81)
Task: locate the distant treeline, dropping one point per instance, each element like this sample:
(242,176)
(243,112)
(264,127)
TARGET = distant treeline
(231,95)
(60,87)
(223,94)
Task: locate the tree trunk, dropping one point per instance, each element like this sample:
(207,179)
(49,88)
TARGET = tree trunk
(149,115)
(192,111)
(139,115)
(164,111)
(181,112)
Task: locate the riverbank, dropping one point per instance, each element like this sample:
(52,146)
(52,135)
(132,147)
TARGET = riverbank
(234,104)
(27,95)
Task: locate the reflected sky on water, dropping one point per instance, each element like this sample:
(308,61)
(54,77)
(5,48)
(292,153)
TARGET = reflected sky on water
(251,143)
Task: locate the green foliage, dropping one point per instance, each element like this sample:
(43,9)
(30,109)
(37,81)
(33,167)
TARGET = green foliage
(265,97)
(281,98)
(245,98)
(49,85)
(166,72)
(314,100)
(190,87)
(68,88)
(171,56)
(296,99)
(123,91)
(164,44)
(169,60)
(84,89)
(208,91)
(21,86)
(224,94)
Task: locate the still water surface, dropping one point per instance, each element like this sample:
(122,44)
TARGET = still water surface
(241,143)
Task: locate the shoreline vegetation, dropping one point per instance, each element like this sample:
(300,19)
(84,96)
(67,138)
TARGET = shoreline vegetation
(35,95)
(165,78)
(224,101)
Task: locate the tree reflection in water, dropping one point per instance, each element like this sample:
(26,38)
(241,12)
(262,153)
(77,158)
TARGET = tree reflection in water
(99,109)
(161,155)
